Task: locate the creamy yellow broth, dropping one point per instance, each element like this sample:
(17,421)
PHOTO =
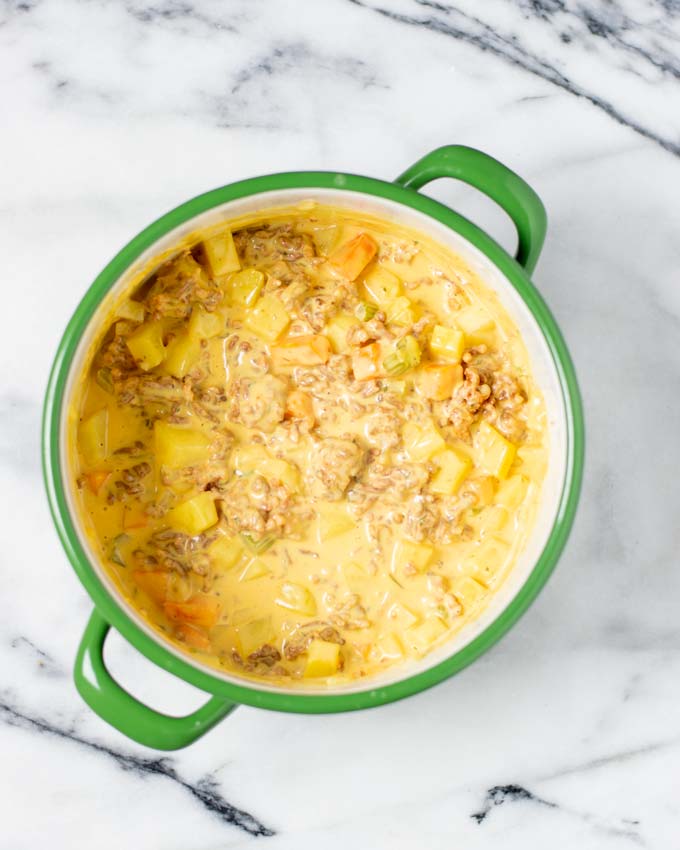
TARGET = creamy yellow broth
(309,446)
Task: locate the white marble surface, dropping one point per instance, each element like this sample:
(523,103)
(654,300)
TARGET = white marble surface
(115,111)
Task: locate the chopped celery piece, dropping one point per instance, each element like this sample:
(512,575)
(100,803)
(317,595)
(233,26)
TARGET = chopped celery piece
(406,356)
(365,311)
(115,552)
(105,380)
(258,546)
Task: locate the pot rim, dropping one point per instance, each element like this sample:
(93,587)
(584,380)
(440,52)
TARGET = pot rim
(281,700)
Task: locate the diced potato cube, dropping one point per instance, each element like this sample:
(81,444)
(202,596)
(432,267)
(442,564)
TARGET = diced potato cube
(255,569)
(421,441)
(268,318)
(398,387)
(367,362)
(496,454)
(221,253)
(452,468)
(447,343)
(382,287)
(251,636)
(306,350)
(477,325)
(490,520)
(195,515)
(421,638)
(325,239)
(201,610)
(483,562)
(336,331)
(468,591)
(436,381)
(534,462)
(300,406)
(205,325)
(388,648)
(133,311)
(400,312)
(247,459)
(323,659)
(243,288)
(512,491)
(154,583)
(94,437)
(178,447)
(402,616)
(226,552)
(146,345)
(295,597)
(274,469)
(352,258)
(408,556)
(355,576)
(333,521)
(182,353)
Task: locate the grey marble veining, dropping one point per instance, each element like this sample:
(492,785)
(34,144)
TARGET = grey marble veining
(566,734)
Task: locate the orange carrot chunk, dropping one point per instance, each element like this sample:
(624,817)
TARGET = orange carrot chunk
(307,350)
(367,362)
(437,380)
(96,480)
(299,406)
(192,637)
(352,258)
(153,582)
(200,610)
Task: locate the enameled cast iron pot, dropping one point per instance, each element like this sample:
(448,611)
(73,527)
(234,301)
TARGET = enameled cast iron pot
(401,202)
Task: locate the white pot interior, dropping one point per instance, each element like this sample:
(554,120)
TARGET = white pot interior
(544,371)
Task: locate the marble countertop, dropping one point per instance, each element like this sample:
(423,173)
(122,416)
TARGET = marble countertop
(566,734)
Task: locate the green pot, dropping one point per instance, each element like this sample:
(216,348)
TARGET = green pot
(399,201)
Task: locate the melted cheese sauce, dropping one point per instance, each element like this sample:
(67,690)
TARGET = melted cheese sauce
(277,502)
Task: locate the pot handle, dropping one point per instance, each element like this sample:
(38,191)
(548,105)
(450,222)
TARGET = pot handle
(131,717)
(497,181)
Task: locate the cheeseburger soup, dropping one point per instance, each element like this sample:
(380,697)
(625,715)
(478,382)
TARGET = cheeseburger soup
(309,446)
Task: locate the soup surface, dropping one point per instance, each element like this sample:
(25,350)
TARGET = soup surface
(310,446)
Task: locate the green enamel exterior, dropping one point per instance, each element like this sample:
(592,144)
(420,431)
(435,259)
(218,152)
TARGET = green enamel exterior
(93,681)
